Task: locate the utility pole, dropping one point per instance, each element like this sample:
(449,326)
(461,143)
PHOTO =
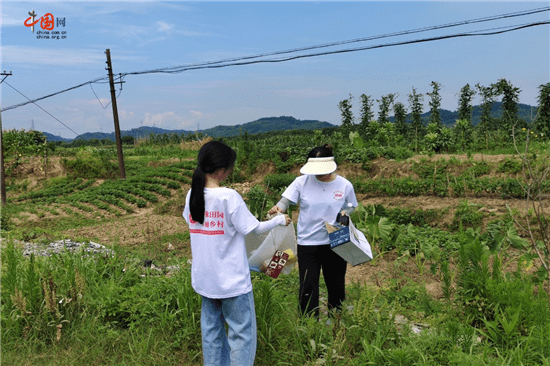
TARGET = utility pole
(2,170)
(115,116)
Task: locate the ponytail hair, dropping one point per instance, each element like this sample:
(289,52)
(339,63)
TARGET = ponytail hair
(212,156)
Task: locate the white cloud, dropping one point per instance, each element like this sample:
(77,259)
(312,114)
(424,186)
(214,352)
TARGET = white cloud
(164,27)
(196,113)
(163,119)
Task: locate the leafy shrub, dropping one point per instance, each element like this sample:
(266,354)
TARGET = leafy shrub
(510,166)
(278,182)
(411,236)
(259,201)
(6,223)
(466,214)
(478,169)
(405,216)
(90,166)
(495,300)
(398,152)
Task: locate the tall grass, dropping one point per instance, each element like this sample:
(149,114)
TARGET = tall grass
(108,310)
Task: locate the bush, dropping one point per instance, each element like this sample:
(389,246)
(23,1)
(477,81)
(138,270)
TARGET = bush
(259,201)
(509,166)
(467,214)
(278,182)
(90,164)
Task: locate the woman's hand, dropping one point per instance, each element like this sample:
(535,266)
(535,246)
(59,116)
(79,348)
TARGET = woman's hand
(288,220)
(273,210)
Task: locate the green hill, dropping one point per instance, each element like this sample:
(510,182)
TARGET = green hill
(262,125)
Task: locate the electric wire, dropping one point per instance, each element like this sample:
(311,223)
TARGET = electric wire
(121,81)
(485,32)
(93,91)
(54,94)
(364,39)
(232,62)
(51,115)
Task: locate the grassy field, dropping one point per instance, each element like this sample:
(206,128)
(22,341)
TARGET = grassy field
(455,281)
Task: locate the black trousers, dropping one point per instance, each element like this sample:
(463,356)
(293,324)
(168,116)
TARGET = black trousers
(311,260)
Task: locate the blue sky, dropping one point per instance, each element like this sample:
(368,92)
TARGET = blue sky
(151,35)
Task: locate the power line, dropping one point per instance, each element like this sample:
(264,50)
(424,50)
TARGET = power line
(121,81)
(30,101)
(484,32)
(53,94)
(364,39)
(236,61)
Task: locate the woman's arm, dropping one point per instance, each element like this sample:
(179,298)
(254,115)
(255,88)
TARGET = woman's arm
(281,206)
(265,226)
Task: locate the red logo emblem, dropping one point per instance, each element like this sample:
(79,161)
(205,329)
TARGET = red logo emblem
(46,21)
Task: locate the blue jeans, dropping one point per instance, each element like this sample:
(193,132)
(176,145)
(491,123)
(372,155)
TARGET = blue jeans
(237,347)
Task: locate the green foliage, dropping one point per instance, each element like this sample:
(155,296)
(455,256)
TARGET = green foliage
(510,99)
(259,201)
(467,215)
(400,114)
(413,239)
(16,142)
(510,166)
(384,106)
(542,121)
(372,221)
(484,292)
(6,220)
(435,103)
(416,126)
(278,182)
(347,115)
(91,163)
(356,140)
(464,104)
(367,113)
(463,132)
(418,217)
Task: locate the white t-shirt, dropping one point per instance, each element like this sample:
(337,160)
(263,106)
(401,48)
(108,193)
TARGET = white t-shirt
(319,202)
(220,266)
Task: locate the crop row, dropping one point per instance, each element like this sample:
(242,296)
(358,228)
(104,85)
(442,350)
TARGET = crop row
(60,188)
(461,187)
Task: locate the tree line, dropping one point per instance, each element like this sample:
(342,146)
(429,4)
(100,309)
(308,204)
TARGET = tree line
(408,126)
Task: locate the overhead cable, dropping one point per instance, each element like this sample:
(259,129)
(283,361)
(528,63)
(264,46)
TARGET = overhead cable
(484,32)
(51,115)
(364,39)
(54,94)
(241,60)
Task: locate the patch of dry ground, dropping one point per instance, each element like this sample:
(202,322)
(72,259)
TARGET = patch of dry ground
(133,230)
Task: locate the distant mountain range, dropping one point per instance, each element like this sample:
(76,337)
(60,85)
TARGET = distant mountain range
(259,126)
(284,123)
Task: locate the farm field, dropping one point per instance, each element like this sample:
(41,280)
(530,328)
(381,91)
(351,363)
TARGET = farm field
(454,280)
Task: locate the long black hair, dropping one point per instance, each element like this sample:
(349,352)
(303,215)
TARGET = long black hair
(213,155)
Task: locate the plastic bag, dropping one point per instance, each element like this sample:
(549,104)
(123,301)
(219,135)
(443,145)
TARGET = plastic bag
(261,248)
